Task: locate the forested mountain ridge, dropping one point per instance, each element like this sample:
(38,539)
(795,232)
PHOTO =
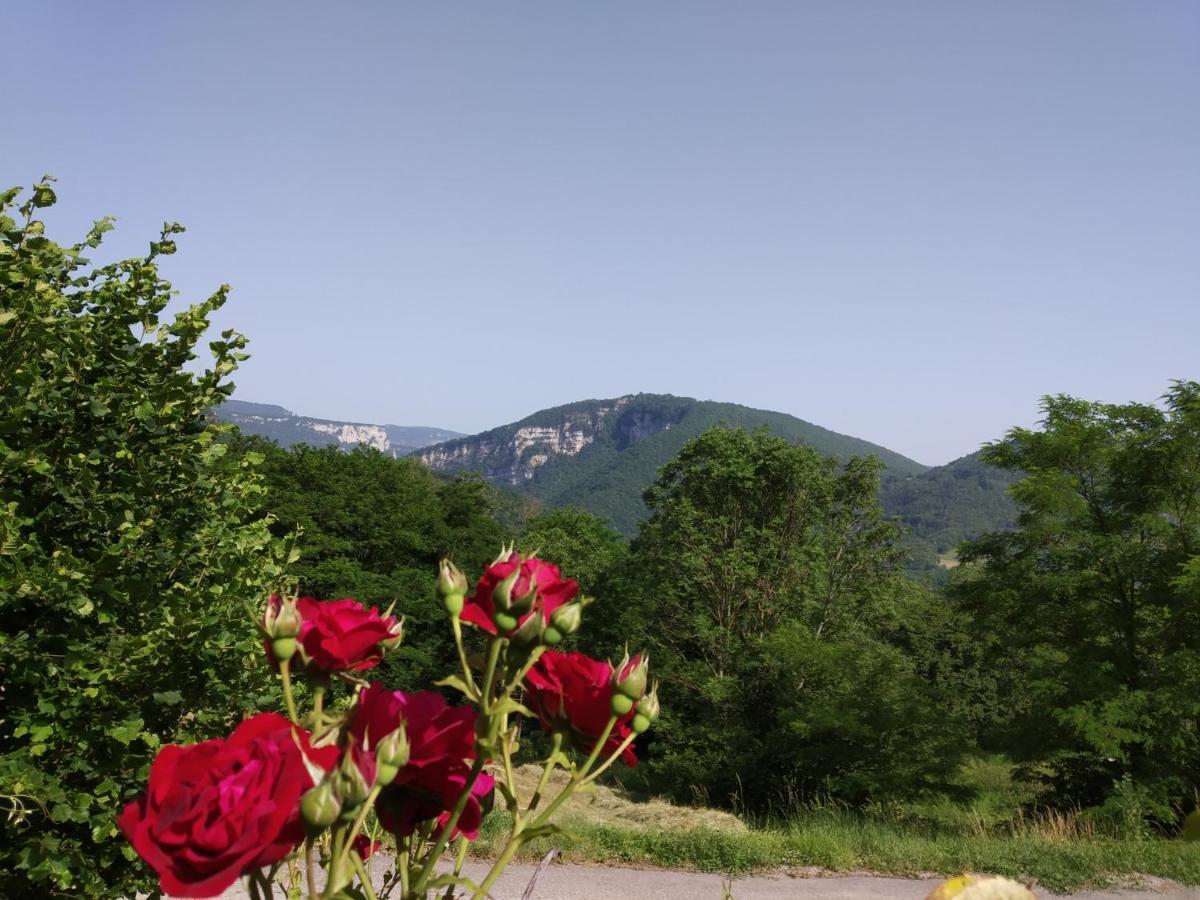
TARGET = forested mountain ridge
(602,454)
(287,429)
(946,505)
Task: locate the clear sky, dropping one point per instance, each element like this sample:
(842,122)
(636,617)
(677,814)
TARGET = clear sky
(901,221)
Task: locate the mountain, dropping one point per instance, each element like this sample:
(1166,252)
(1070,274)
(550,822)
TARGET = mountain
(602,454)
(287,428)
(946,505)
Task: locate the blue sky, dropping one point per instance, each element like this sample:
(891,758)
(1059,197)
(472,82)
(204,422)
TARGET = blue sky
(905,222)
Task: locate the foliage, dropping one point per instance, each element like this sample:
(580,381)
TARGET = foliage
(1092,603)
(127,546)
(765,587)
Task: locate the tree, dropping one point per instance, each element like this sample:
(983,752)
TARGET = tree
(1092,601)
(130,546)
(766,588)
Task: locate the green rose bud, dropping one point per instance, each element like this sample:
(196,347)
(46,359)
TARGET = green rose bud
(350,785)
(567,619)
(453,604)
(396,632)
(551,636)
(530,632)
(450,580)
(621,705)
(391,755)
(648,705)
(630,678)
(502,592)
(640,724)
(283,648)
(320,807)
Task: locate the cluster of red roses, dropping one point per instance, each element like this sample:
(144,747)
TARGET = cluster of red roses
(217,809)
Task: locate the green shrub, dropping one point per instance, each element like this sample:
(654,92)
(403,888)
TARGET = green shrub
(128,548)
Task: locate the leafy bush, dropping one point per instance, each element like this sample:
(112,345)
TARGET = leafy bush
(129,545)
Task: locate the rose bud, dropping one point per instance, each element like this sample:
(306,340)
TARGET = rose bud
(564,622)
(320,807)
(395,632)
(280,624)
(502,597)
(629,679)
(350,785)
(647,711)
(528,635)
(391,755)
(451,587)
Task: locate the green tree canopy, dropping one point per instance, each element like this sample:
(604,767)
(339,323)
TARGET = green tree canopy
(767,587)
(1092,601)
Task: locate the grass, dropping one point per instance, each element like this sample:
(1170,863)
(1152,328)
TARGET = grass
(1063,853)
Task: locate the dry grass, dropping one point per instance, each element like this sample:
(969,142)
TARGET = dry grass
(606,807)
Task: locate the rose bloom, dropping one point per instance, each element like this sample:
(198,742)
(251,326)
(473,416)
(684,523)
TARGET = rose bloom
(573,692)
(339,635)
(365,847)
(219,808)
(553,590)
(441,742)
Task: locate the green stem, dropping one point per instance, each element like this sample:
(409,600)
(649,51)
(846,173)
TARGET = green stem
(612,759)
(348,849)
(551,762)
(468,678)
(403,849)
(318,704)
(489,675)
(364,877)
(285,673)
(310,864)
(505,858)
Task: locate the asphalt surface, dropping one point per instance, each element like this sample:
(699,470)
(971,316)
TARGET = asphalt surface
(574,882)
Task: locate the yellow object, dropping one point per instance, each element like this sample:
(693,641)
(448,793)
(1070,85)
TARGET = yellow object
(976,887)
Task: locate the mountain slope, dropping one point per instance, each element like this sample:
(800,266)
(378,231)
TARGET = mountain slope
(287,428)
(949,504)
(602,454)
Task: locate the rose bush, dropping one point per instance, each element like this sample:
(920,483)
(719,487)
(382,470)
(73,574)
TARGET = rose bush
(216,809)
(379,761)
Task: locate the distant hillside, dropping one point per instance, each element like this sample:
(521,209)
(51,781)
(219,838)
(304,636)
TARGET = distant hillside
(602,454)
(287,428)
(946,505)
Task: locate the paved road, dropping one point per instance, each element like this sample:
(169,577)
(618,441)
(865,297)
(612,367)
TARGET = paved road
(573,882)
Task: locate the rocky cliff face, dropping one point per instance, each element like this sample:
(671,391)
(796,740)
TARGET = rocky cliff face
(513,454)
(287,428)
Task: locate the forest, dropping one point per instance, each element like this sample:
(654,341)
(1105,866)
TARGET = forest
(800,662)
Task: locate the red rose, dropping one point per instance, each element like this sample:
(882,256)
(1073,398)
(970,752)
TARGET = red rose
(340,635)
(574,692)
(219,808)
(365,847)
(441,741)
(552,589)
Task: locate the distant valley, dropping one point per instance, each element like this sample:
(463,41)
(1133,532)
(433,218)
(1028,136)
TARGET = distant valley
(601,455)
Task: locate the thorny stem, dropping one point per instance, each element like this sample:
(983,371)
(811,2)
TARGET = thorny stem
(551,761)
(348,848)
